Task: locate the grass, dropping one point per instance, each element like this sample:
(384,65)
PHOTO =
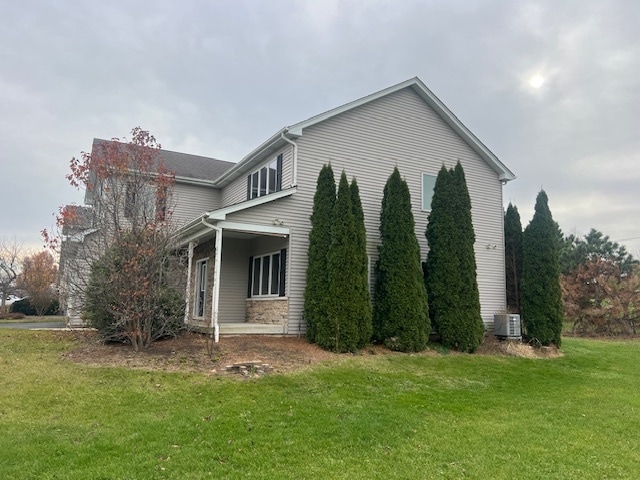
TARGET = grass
(450,416)
(35,319)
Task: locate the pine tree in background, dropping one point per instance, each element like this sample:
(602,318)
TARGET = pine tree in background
(364,328)
(513,257)
(469,332)
(401,313)
(442,272)
(541,293)
(339,330)
(454,302)
(315,294)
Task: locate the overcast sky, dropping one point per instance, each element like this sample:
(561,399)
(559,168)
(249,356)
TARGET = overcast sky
(551,87)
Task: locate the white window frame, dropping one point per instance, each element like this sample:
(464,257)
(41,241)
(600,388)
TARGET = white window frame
(422,196)
(255,186)
(200,293)
(260,275)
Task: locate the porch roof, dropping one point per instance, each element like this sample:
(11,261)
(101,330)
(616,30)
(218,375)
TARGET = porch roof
(204,226)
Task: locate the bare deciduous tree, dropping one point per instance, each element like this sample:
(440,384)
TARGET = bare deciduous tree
(117,247)
(11,252)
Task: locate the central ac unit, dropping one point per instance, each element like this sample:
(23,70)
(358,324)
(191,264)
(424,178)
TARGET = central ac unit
(507,325)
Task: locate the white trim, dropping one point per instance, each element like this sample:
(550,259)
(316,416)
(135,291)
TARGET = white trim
(222,213)
(253,228)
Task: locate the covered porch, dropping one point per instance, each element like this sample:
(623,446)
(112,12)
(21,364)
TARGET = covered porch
(236,277)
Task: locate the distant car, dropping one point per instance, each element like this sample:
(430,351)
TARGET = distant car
(12,298)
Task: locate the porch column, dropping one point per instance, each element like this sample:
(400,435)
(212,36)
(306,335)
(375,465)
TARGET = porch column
(187,307)
(216,284)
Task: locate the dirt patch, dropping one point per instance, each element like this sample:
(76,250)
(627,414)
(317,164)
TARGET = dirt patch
(194,352)
(492,345)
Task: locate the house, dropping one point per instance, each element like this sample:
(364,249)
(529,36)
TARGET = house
(248,251)
(245,225)
(83,242)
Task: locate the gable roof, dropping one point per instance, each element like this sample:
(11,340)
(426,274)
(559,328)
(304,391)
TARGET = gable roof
(187,167)
(296,130)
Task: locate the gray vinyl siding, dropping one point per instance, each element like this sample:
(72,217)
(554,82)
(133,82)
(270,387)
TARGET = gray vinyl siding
(189,201)
(234,277)
(367,142)
(236,191)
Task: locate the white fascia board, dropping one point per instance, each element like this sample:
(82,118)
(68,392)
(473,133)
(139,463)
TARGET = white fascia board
(221,214)
(257,153)
(273,230)
(194,181)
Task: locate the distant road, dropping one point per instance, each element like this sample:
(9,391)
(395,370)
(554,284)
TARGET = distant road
(33,325)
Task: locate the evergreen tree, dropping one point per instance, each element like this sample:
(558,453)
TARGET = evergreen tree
(513,257)
(317,287)
(339,330)
(442,271)
(541,293)
(401,312)
(470,328)
(363,273)
(454,301)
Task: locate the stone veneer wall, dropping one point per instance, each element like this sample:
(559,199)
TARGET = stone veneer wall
(272,311)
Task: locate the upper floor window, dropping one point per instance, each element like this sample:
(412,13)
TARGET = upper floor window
(265,180)
(131,197)
(161,204)
(428,184)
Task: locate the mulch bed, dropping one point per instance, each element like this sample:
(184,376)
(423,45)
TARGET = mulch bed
(194,352)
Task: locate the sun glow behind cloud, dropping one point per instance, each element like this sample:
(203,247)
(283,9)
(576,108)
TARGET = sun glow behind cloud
(536,81)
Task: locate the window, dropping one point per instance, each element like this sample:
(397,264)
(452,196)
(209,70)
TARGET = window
(267,275)
(130,200)
(428,183)
(201,288)
(161,204)
(266,180)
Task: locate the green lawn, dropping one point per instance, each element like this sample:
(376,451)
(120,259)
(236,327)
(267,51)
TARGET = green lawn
(410,417)
(35,319)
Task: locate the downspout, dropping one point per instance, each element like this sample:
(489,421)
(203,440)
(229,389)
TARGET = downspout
(294,180)
(187,309)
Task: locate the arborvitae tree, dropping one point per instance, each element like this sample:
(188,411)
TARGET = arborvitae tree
(315,295)
(363,273)
(513,257)
(401,312)
(339,330)
(442,271)
(469,332)
(541,293)
(454,301)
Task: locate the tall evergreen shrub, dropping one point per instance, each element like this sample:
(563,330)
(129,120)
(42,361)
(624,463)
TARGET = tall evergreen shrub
(541,293)
(470,329)
(365,327)
(400,313)
(339,330)
(442,272)
(454,301)
(316,291)
(513,257)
